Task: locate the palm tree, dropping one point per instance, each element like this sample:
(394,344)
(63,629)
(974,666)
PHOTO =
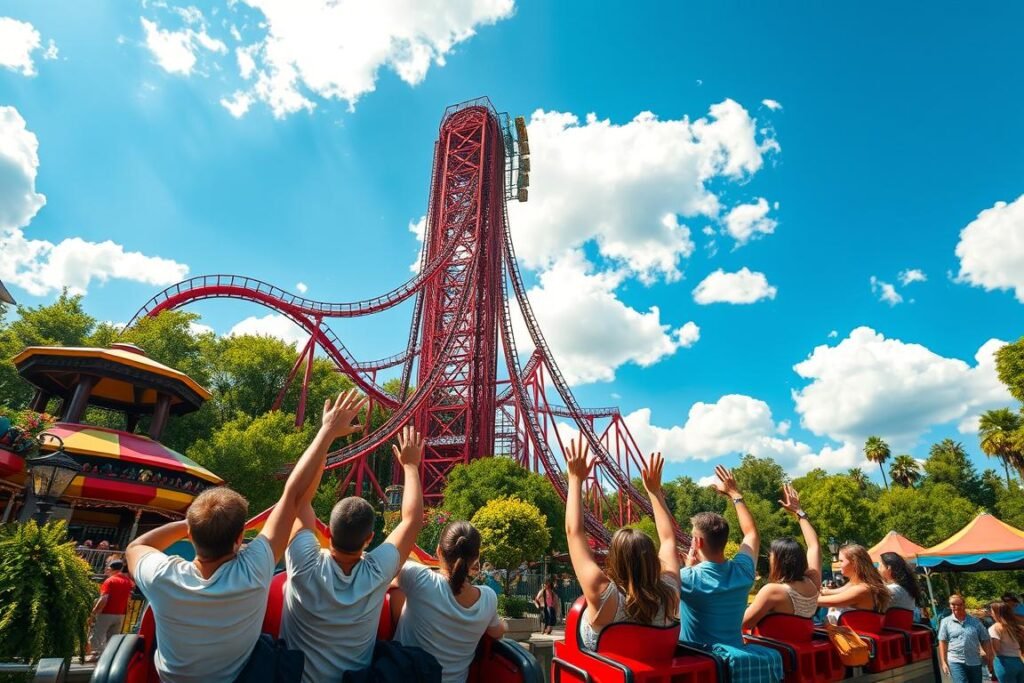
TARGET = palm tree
(877,451)
(859,478)
(905,471)
(996,430)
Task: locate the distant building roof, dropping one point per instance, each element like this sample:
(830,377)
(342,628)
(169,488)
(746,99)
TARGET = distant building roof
(5,296)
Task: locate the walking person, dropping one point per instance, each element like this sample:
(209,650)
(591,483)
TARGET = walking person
(961,636)
(1007,634)
(110,607)
(547,600)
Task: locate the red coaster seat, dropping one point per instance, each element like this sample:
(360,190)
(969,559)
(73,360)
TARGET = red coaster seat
(918,639)
(807,656)
(888,647)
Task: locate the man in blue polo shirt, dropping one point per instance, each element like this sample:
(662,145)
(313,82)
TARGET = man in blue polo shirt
(961,638)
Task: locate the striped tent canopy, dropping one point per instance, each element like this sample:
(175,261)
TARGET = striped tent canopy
(985,543)
(892,542)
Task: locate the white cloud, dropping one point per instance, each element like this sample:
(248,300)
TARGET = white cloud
(336,50)
(749,221)
(18,40)
(419,229)
(38,266)
(868,384)
(301,287)
(741,287)
(176,51)
(199,328)
(774,105)
(271,325)
(912,275)
(627,335)
(238,104)
(991,249)
(833,334)
(885,291)
(625,186)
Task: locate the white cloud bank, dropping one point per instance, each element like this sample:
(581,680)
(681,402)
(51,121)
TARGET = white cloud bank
(741,287)
(38,266)
(176,51)
(749,221)
(991,249)
(271,325)
(18,40)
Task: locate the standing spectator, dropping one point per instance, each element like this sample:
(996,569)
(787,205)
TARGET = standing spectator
(961,636)
(1007,634)
(104,545)
(549,604)
(109,609)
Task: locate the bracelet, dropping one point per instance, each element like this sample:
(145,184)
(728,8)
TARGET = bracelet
(800,514)
(737,500)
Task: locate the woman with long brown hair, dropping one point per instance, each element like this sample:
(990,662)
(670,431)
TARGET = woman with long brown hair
(864,589)
(639,583)
(1007,634)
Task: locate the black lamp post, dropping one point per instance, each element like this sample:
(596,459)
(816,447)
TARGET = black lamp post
(833,546)
(50,476)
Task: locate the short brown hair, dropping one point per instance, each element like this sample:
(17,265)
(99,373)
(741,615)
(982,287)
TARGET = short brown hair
(216,519)
(351,524)
(713,527)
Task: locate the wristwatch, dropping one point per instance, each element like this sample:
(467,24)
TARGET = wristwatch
(801,514)
(737,500)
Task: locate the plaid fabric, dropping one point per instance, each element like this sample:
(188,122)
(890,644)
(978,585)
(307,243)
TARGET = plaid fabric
(751,663)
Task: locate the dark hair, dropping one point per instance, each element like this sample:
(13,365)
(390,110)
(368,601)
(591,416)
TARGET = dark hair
(1004,615)
(116,564)
(216,519)
(633,566)
(713,527)
(460,547)
(787,561)
(1010,597)
(902,574)
(352,521)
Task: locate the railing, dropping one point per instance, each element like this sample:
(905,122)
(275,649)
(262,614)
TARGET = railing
(97,559)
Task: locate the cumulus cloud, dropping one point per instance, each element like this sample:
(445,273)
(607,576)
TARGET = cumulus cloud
(199,328)
(626,187)
(741,287)
(38,266)
(774,105)
(749,221)
(271,325)
(176,51)
(238,104)
(301,287)
(885,291)
(592,332)
(18,40)
(868,384)
(991,249)
(419,229)
(912,275)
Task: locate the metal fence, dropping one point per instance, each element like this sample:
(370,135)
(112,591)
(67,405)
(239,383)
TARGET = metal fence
(97,559)
(528,584)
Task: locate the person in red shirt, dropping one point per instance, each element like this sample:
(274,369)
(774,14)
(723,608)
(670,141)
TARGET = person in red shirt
(109,610)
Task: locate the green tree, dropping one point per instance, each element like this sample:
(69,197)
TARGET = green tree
(649,529)
(246,452)
(948,463)
(926,515)
(46,593)
(904,471)
(858,477)
(761,481)
(877,451)
(836,506)
(1010,367)
(470,487)
(685,498)
(996,430)
(512,531)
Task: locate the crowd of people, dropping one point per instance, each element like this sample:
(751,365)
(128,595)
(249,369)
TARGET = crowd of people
(209,611)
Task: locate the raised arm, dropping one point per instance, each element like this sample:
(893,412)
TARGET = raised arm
(159,539)
(667,552)
(305,477)
(592,580)
(408,452)
(847,596)
(727,486)
(791,503)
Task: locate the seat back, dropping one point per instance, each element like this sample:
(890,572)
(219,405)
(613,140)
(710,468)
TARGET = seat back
(275,605)
(648,644)
(386,627)
(897,617)
(788,628)
(863,621)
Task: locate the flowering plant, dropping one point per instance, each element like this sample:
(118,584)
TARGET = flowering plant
(20,430)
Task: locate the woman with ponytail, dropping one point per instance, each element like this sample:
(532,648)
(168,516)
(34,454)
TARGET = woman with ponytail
(639,583)
(445,614)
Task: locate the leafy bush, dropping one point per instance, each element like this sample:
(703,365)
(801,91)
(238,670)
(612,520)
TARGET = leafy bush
(511,532)
(434,522)
(46,593)
(512,606)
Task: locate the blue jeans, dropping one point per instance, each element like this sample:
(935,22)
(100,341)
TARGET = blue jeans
(962,673)
(1009,669)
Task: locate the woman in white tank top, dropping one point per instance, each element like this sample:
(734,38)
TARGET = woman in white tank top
(794,576)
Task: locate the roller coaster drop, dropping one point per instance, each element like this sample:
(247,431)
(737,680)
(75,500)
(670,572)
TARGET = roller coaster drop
(462,309)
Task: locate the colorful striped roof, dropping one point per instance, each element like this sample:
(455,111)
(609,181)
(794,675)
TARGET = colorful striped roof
(984,534)
(894,542)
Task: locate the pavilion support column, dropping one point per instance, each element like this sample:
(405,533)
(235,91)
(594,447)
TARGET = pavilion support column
(160,414)
(40,400)
(80,399)
(135,526)
(9,507)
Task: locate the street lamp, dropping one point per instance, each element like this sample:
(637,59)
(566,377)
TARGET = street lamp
(50,475)
(833,546)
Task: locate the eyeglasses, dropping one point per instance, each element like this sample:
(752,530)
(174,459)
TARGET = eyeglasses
(956,604)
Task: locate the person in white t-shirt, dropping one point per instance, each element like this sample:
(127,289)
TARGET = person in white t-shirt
(209,611)
(333,598)
(445,614)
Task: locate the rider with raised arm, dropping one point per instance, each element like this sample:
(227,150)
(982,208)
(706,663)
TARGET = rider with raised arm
(638,584)
(333,598)
(209,611)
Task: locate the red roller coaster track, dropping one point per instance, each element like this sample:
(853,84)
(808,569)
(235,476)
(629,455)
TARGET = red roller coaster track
(462,312)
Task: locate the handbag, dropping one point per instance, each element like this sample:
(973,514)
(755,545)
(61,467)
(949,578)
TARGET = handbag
(853,650)
(272,662)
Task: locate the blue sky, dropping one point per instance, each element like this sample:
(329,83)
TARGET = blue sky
(881,139)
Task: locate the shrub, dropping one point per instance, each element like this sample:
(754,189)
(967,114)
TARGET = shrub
(512,606)
(511,532)
(46,593)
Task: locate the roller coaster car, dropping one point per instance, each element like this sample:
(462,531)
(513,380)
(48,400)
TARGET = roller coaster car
(807,655)
(887,647)
(128,658)
(631,653)
(919,640)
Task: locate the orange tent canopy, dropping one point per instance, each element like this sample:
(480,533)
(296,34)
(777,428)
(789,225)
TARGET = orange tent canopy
(892,542)
(985,543)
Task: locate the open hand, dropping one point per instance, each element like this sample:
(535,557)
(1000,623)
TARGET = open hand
(339,415)
(650,472)
(577,460)
(409,450)
(790,499)
(726,484)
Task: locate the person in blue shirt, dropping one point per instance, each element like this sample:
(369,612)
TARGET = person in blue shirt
(961,638)
(715,589)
